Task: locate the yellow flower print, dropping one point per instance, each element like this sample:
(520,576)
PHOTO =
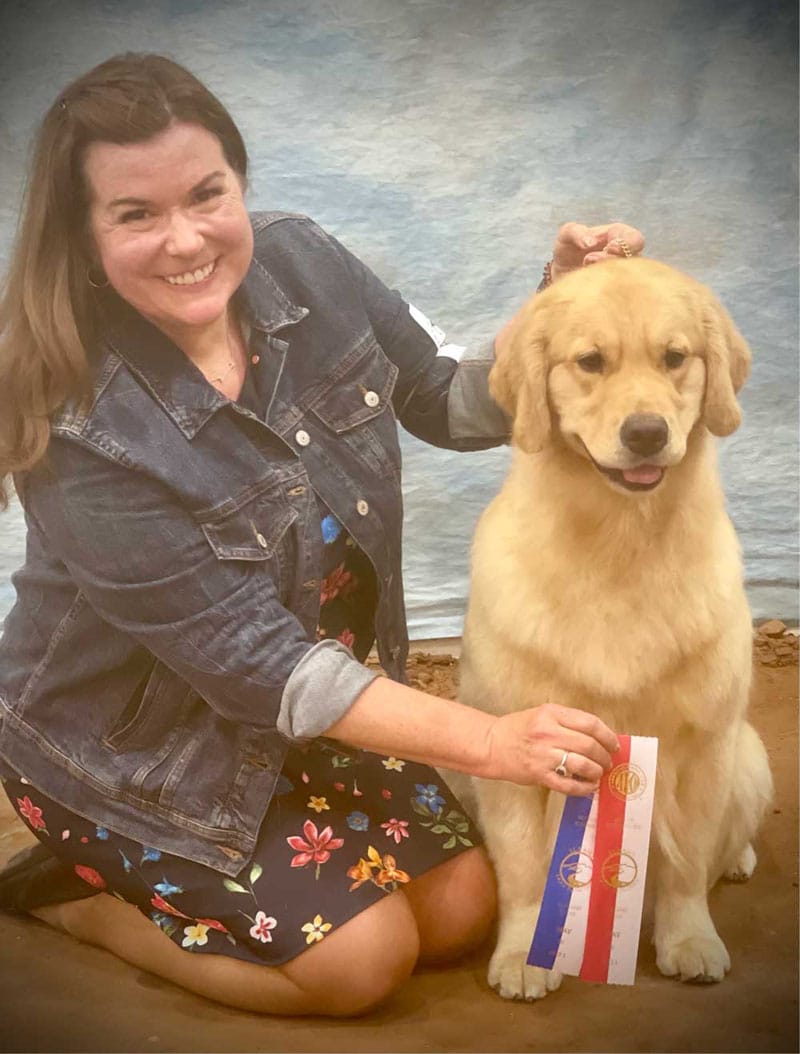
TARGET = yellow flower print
(316,930)
(393,764)
(390,872)
(376,860)
(317,804)
(360,872)
(195,935)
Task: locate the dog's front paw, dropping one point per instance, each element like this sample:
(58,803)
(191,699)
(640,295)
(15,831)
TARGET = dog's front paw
(743,866)
(512,978)
(703,960)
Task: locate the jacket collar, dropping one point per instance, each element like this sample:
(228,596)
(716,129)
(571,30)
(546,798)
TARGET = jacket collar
(168,375)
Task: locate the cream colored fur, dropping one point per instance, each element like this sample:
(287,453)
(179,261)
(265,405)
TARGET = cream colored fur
(626,604)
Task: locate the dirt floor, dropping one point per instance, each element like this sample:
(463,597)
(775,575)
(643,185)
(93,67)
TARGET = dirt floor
(59,995)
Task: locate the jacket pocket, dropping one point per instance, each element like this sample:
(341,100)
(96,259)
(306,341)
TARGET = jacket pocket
(154,712)
(250,526)
(358,391)
(356,406)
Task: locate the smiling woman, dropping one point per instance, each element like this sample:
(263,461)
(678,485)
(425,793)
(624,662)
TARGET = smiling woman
(213,548)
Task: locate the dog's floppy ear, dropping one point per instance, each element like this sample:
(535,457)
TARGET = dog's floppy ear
(727,368)
(518,381)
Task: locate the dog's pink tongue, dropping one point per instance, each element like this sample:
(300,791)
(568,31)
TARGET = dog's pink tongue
(643,474)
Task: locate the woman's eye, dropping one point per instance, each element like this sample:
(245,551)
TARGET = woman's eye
(133,216)
(591,363)
(674,359)
(207,194)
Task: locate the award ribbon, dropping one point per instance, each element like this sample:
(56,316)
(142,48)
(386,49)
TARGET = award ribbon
(592,904)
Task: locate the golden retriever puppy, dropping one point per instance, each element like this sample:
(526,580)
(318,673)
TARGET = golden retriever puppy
(606,575)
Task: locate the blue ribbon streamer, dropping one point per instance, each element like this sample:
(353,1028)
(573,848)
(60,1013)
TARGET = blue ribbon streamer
(556,898)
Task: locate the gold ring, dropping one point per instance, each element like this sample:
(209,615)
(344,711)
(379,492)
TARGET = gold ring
(626,249)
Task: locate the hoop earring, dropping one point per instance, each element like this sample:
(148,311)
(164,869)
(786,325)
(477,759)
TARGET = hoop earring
(96,285)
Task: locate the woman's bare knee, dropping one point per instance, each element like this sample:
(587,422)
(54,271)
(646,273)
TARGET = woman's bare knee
(360,965)
(454,905)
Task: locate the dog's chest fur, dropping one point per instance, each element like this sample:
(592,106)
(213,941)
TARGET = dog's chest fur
(606,596)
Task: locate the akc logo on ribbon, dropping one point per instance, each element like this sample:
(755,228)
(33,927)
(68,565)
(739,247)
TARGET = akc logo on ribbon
(627,781)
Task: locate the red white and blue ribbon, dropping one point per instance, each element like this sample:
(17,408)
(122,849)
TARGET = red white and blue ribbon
(591,912)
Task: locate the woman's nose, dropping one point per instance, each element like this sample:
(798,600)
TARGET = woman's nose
(183,235)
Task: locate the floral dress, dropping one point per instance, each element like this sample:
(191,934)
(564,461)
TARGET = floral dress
(344,829)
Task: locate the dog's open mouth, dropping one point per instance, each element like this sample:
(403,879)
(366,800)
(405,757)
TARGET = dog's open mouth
(643,477)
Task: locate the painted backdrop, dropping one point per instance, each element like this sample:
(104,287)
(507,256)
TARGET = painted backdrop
(444,141)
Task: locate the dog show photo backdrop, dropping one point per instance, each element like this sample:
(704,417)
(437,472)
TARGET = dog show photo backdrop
(445,141)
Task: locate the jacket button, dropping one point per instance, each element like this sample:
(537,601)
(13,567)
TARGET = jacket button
(262,541)
(362,508)
(302,438)
(372,398)
(312,583)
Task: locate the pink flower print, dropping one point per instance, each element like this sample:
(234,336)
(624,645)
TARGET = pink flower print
(260,931)
(338,786)
(386,793)
(334,583)
(88,874)
(317,847)
(397,829)
(347,637)
(32,813)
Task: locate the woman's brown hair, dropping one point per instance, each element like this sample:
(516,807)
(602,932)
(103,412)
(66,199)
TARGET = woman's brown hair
(48,308)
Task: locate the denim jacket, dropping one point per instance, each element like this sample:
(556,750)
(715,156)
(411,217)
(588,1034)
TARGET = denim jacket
(162,653)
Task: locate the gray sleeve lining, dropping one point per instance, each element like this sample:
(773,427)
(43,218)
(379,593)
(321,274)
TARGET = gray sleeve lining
(321,688)
(471,411)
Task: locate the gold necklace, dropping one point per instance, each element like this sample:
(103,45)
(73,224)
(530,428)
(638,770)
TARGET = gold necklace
(222,376)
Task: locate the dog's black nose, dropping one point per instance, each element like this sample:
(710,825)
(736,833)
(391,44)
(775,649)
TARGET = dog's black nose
(644,433)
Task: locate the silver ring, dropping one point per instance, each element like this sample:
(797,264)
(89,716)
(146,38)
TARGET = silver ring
(561,767)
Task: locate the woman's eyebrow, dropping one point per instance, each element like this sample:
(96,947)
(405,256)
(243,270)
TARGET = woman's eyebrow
(143,201)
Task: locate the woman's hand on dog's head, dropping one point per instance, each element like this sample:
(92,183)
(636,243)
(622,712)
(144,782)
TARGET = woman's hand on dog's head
(577,245)
(528,746)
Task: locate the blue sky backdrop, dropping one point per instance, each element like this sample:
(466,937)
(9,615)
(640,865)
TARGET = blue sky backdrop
(444,141)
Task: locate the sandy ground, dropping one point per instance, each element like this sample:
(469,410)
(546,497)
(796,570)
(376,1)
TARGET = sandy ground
(59,995)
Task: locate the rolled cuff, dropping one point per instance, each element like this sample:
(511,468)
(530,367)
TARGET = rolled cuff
(471,411)
(321,688)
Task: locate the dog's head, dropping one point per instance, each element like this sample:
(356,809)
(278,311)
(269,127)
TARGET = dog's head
(623,358)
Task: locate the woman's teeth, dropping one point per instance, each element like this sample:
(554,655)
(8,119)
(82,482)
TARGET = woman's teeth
(191,277)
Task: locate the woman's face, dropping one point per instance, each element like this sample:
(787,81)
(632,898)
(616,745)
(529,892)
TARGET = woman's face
(170,227)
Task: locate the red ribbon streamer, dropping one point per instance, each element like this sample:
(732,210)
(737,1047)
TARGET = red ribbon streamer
(603,894)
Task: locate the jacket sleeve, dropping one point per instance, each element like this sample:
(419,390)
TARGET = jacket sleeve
(442,393)
(145,565)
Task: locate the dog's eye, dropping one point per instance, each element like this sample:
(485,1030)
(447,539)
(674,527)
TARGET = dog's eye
(674,359)
(591,363)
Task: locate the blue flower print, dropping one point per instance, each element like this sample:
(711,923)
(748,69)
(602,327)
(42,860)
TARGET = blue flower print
(102,834)
(125,862)
(150,854)
(164,922)
(331,529)
(358,821)
(429,795)
(166,888)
